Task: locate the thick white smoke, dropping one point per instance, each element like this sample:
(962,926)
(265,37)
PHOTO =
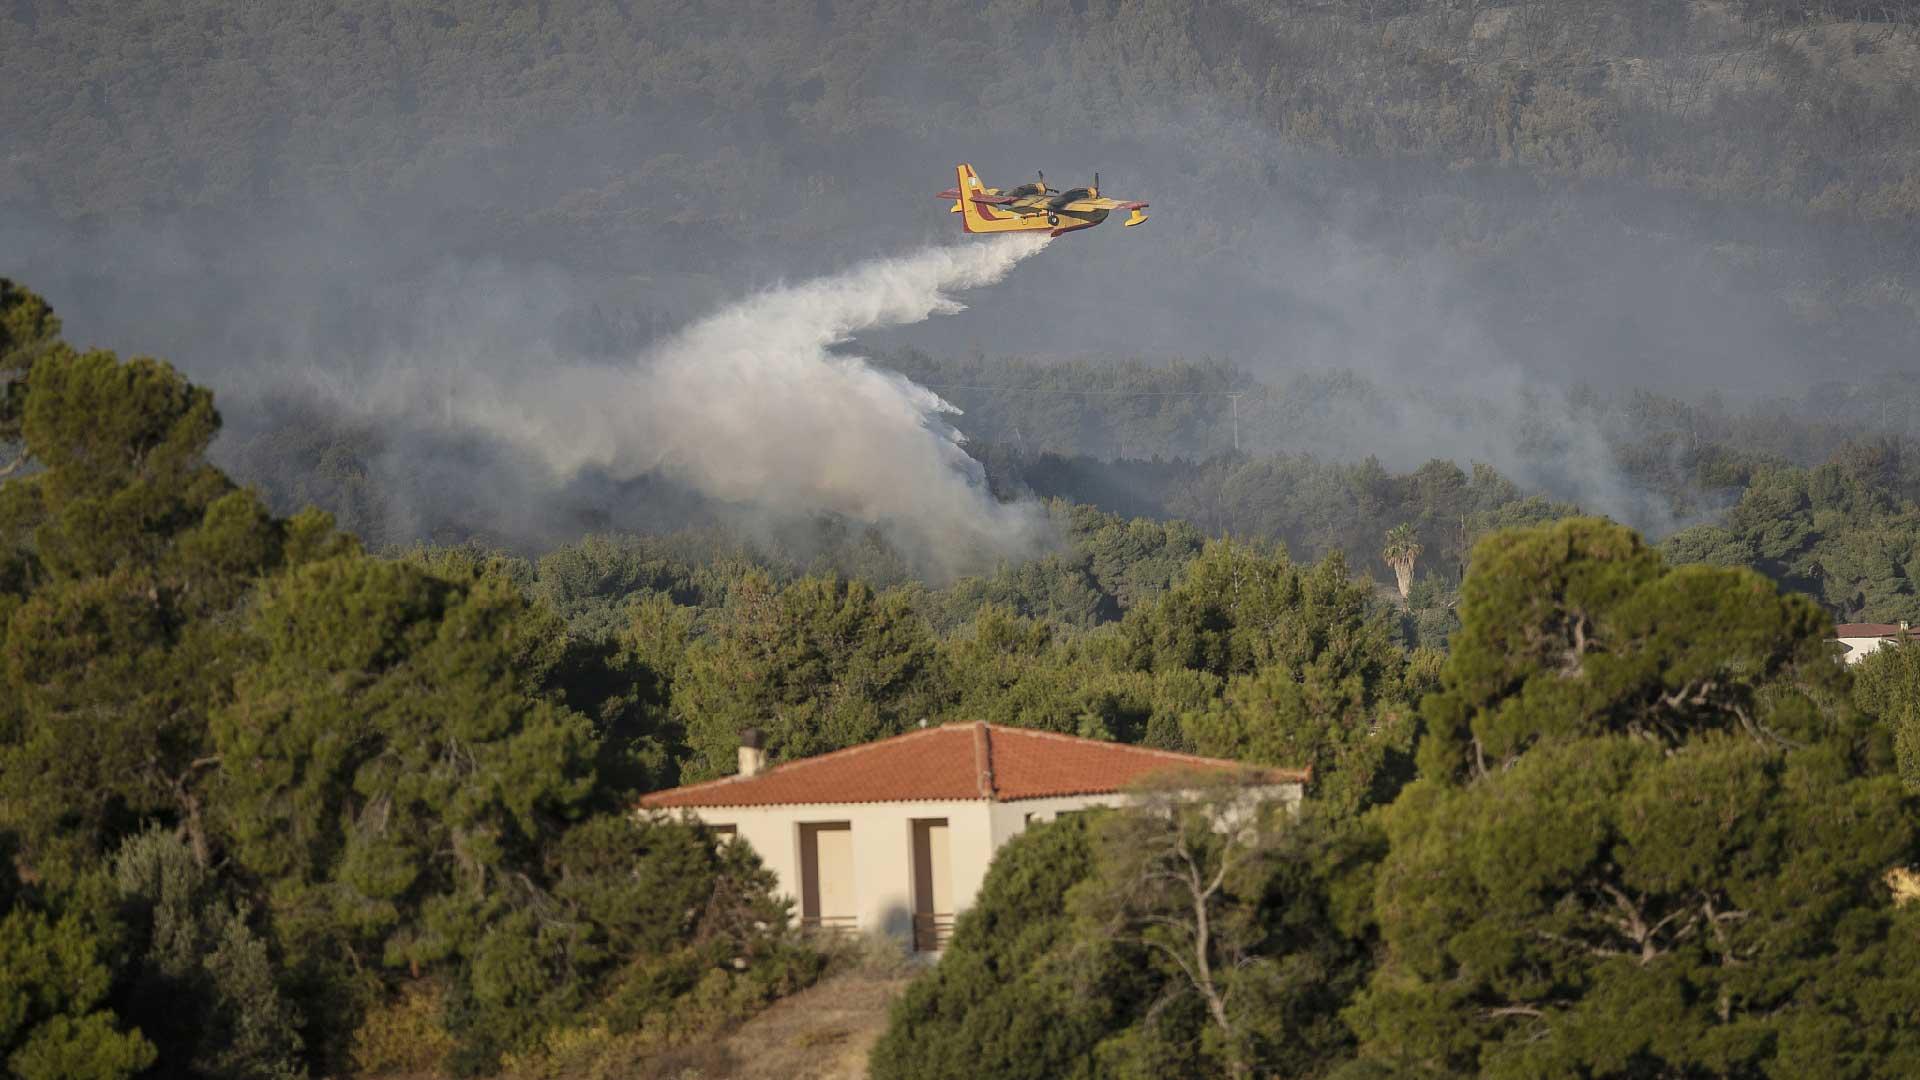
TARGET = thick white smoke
(751,405)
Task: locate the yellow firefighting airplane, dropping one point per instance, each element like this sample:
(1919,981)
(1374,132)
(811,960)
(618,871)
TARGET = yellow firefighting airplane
(1033,206)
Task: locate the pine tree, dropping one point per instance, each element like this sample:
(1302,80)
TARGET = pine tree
(1649,837)
(122,558)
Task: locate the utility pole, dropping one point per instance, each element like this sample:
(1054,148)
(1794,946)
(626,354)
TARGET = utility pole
(1235,398)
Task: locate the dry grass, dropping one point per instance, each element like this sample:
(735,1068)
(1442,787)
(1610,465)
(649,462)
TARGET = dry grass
(822,1033)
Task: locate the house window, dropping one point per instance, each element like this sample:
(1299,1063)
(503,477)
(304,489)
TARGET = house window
(826,876)
(932,885)
(723,833)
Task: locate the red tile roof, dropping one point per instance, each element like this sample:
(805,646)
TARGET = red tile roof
(1870,629)
(957,761)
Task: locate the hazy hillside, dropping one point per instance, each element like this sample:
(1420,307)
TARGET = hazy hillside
(145,107)
(1469,207)
(1402,231)
(1630,189)
(548,391)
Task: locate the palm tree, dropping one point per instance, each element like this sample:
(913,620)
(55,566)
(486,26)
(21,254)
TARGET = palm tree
(1401,552)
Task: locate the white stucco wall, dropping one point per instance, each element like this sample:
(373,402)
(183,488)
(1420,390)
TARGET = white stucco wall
(883,844)
(882,850)
(1859,647)
(1011,818)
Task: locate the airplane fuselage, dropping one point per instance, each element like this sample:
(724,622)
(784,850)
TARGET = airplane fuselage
(1030,207)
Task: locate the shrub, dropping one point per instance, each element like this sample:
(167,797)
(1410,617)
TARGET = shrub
(993,1006)
(404,1035)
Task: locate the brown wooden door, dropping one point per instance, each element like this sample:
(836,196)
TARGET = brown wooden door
(826,875)
(932,884)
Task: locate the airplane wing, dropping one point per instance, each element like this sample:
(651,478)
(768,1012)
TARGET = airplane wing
(1027,206)
(987,200)
(1016,204)
(1083,205)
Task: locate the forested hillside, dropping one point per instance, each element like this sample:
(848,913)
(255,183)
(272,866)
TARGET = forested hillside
(1502,405)
(275,804)
(1586,188)
(212,104)
(1819,492)
(1403,231)
(278,806)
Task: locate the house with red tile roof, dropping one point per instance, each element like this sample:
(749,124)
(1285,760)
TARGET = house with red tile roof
(1857,640)
(895,836)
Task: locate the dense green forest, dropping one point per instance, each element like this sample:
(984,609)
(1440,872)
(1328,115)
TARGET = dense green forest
(276,805)
(1505,401)
(1647,834)
(273,805)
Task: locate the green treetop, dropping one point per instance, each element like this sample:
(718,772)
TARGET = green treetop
(1577,629)
(1311,673)
(388,757)
(28,330)
(818,665)
(57,957)
(120,560)
(1886,685)
(1649,836)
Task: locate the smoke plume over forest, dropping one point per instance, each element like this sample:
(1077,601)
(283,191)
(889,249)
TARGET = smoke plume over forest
(432,280)
(428,429)
(747,406)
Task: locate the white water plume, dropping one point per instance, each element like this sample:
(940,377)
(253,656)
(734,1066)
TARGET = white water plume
(750,405)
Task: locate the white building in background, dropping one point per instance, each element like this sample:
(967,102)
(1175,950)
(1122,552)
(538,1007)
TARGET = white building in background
(1858,640)
(896,835)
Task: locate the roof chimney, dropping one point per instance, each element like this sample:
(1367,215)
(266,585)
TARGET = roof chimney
(753,757)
